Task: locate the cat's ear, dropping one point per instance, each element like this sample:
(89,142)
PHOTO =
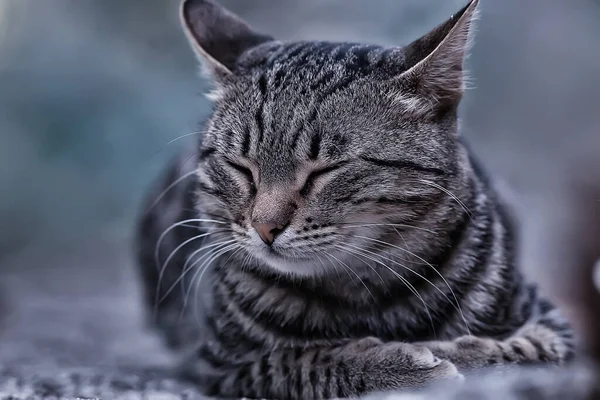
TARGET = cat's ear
(435,79)
(218,36)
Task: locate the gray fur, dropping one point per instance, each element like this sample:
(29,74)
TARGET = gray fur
(392,265)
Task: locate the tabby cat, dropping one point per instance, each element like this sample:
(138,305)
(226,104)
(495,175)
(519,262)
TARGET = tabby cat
(348,240)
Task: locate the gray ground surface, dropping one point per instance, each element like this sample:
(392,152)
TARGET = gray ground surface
(76,329)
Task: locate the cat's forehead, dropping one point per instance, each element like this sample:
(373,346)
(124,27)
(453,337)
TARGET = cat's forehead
(293,89)
(314,63)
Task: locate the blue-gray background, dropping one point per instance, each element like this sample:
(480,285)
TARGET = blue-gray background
(91,92)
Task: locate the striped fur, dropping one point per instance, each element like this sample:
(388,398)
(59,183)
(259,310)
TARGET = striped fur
(393,264)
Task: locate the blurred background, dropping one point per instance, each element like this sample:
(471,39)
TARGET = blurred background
(93,91)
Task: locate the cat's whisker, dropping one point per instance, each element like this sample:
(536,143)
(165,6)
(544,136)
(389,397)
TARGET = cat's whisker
(170,142)
(406,282)
(184,136)
(227,219)
(321,261)
(240,249)
(361,225)
(188,267)
(373,269)
(347,267)
(333,264)
(358,248)
(430,266)
(453,302)
(401,236)
(169,258)
(175,225)
(190,157)
(449,193)
(200,270)
(179,247)
(189,226)
(196,285)
(246,260)
(401,278)
(343,264)
(236,250)
(168,189)
(353,255)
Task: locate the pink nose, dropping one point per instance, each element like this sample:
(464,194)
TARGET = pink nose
(268,231)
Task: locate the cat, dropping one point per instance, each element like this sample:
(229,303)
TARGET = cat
(349,240)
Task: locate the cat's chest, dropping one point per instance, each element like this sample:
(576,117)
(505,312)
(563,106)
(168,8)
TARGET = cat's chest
(282,312)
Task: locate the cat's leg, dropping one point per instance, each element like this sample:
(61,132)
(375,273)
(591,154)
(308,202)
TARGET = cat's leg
(352,369)
(548,339)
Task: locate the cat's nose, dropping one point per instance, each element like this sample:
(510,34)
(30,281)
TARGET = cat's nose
(268,231)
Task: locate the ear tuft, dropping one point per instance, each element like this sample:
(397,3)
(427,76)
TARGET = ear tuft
(218,36)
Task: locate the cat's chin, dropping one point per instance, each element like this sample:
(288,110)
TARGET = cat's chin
(292,266)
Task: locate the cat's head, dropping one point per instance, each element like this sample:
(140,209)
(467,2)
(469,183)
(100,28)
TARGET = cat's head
(316,150)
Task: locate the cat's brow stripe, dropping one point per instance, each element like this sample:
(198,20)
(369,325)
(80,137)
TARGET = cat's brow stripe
(259,115)
(246,141)
(259,125)
(404,164)
(315,145)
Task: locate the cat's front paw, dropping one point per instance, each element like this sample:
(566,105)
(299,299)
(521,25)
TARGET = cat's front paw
(545,345)
(421,367)
(424,359)
(468,352)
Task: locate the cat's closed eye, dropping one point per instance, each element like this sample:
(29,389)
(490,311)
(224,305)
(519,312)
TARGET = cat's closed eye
(245,171)
(316,174)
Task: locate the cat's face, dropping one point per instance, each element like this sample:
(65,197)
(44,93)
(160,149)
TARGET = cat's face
(316,151)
